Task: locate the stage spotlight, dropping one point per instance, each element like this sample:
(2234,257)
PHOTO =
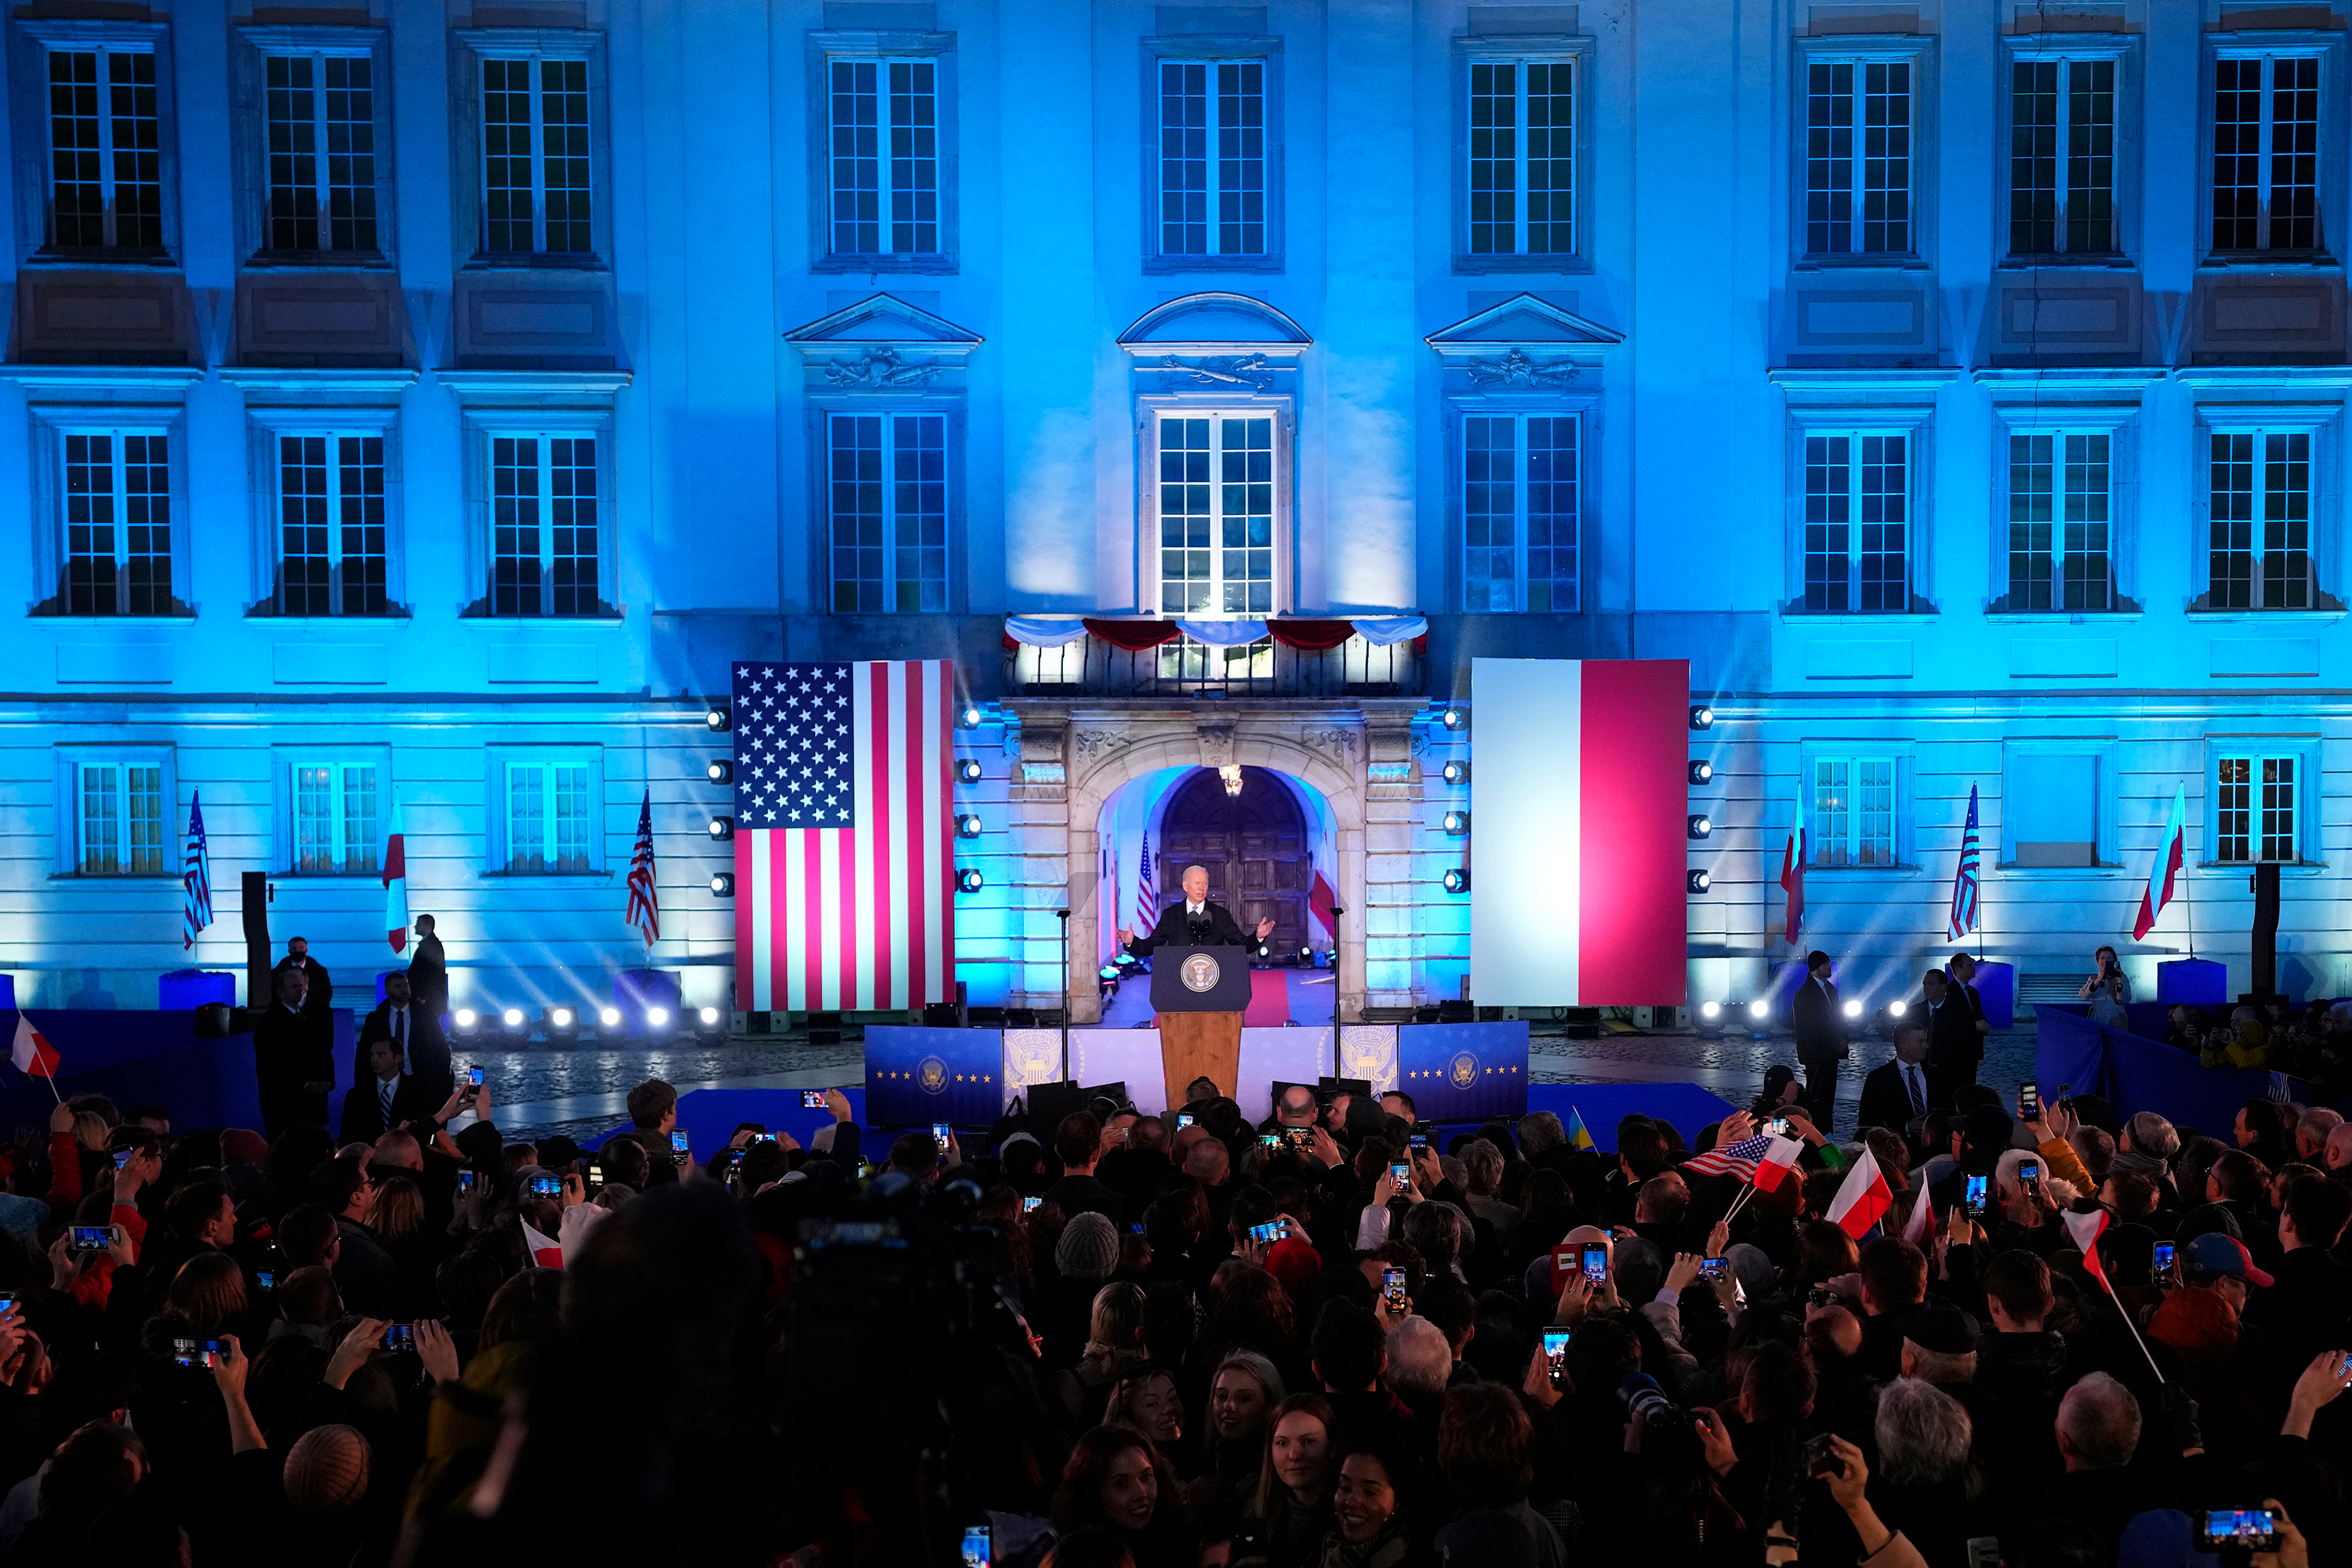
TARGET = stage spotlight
(711,1024)
(656,1017)
(1702,717)
(1710,1010)
(1700,825)
(720,771)
(1457,823)
(1454,718)
(516,1020)
(562,1022)
(609,1021)
(1307,956)
(968,770)
(723,828)
(469,1021)
(968,882)
(1760,1009)
(968,826)
(1456,773)
(718,719)
(967,717)
(722,884)
(1458,879)
(1701,769)
(1896,1008)
(1698,880)
(1853,1009)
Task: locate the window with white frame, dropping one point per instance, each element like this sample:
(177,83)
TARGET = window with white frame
(1852,811)
(1857,519)
(1216,503)
(106,157)
(2256,802)
(1858,156)
(536,179)
(1213,157)
(1520,512)
(883,156)
(545,530)
(117,491)
(1522,148)
(120,820)
(2259,509)
(549,812)
(320,125)
(338,829)
(2059,520)
(333,535)
(2266,114)
(2062,157)
(887,497)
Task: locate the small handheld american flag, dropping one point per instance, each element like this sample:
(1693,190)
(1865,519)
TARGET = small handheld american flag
(1737,1159)
(645,904)
(1964,880)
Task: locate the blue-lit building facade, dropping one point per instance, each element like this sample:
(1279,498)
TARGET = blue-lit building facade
(410,409)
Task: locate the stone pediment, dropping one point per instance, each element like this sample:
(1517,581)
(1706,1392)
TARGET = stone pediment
(882,345)
(1212,322)
(1523,344)
(883,319)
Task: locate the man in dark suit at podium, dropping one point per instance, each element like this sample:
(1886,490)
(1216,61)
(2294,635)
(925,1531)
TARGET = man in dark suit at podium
(1202,1045)
(1818,1020)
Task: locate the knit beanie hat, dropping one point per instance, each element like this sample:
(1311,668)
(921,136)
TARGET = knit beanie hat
(1089,1248)
(326,1469)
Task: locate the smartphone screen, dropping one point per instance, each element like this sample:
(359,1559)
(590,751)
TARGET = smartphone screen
(976,1546)
(1596,1261)
(812,1100)
(1029,1204)
(2029,1173)
(679,1143)
(2253,1528)
(121,1158)
(1974,1199)
(1418,1141)
(2163,1259)
(264,1280)
(1714,1267)
(1555,1345)
(465,1181)
(1271,1140)
(1777,1127)
(2029,1102)
(399,1336)
(474,1077)
(1392,1286)
(939,1135)
(547,1186)
(1300,1137)
(1402,1172)
(1183,1120)
(92,1237)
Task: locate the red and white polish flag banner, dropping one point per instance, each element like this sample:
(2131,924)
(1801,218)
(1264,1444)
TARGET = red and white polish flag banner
(1579,801)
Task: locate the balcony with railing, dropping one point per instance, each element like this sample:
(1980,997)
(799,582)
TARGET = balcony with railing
(1184,667)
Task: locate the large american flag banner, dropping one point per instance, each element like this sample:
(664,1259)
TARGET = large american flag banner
(1964,879)
(843,835)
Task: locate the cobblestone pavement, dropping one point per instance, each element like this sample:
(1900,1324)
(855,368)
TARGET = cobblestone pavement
(543,1091)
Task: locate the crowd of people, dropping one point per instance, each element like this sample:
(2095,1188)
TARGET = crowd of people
(1338,1337)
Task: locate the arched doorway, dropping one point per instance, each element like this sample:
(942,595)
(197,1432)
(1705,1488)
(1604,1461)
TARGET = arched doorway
(1254,846)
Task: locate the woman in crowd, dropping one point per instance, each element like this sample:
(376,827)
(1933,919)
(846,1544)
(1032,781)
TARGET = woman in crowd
(1290,1507)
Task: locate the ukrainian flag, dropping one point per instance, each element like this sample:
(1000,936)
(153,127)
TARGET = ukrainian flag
(1577,1137)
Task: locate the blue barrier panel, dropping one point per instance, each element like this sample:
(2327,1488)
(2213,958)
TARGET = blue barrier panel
(1996,986)
(184,990)
(916,1077)
(1460,1072)
(134,1056)
(1685,1105)
(2199,982)
(2134,1073)
(711,1116)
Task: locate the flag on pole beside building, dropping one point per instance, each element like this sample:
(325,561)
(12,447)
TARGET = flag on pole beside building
(395,885)
(1793,867)
(845,836)
(644,906)
(1964,879)
(2164,872)
(196,881)
(1147,897)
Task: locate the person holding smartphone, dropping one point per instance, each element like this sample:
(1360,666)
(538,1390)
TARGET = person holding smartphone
(2108,990)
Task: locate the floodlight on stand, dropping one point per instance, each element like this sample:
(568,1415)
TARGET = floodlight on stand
(969,880)
(1699,825)
(1456,879)
(968,825)
(968,770)
(720,771)
(609,1020)
(1760,1009)
(1457,824)
(711,1024)
(1456,772)
(722,884)
(1306,956)
(718,719)
(562,1022)
(656,1020)
(723,828)
(469,1021)
(1710,1010)
(1698,881)
(1853,1008)
(1896,1008)
(1701,769)
(1702,717)
(516,1020)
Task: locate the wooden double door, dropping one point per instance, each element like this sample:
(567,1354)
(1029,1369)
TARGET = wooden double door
(1252,844)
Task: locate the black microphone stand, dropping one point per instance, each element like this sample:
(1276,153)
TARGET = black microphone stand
(1336,912)
(1064,916)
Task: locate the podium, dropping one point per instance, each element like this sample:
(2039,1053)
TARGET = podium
(1198,996)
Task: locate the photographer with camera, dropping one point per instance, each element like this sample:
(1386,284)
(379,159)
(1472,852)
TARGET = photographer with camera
(2108,990)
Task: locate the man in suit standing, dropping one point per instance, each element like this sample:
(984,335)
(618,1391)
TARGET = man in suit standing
(428,971)
(1961,1047)
(1820,1023)
(320,990)
(1204,1045)
(385,1097)
(416,1033)
(293,1056)
(1897,1094)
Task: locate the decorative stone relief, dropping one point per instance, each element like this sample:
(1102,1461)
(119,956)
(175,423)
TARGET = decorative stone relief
(1093,744)
(1516,368)
(1216,744)
(881,369)
(1252,370)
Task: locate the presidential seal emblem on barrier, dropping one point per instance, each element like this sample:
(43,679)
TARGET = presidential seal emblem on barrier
(1463,1070)
(1198,973)
(932,1074)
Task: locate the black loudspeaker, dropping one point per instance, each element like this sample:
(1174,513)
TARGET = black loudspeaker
(254,890)
(987,1018)
(213,1021)
(942,1015)
(1451,1011)
(1048,1103)
(1326,1086)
